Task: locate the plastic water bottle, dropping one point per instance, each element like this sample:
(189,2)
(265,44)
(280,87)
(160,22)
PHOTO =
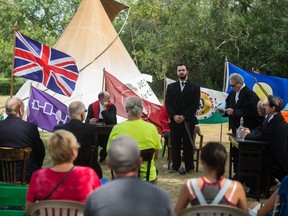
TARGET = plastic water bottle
(240,131)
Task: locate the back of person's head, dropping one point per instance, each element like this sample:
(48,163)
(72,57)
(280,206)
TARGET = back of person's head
(61,146)
(134,106)
(276,102)
(101,95)
(75,109)
(261,106)
(123,155)
(236,78)
(214,155)
(14,107)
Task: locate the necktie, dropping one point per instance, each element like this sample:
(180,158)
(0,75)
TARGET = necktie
(182,85)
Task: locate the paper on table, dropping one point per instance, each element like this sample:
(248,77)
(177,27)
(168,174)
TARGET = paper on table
(221,108)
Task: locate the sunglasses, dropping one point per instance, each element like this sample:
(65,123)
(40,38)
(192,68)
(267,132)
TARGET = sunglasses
(233,85)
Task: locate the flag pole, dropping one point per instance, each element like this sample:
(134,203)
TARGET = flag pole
(224,87)
(225,73)
(164,90)
(13,58)
(103,80)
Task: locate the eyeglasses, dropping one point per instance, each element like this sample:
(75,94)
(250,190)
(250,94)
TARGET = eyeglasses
(233,85)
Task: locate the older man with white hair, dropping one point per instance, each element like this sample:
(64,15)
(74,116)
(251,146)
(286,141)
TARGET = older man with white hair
(143,132)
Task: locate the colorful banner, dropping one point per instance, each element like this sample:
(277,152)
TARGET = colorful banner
(45,111)
(38,62)
(119,93)
(272,85)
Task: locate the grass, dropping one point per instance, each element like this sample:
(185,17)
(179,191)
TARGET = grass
(168,181)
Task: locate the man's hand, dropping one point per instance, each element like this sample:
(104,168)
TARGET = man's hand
(105,105)
(93,121)
(179,119)
(229,111)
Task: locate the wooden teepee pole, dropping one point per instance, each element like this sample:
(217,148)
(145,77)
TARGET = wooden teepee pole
(13,57)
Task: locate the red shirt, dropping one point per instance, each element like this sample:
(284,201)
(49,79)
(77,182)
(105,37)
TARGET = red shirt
(76,187)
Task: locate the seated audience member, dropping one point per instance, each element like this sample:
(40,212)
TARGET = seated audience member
(85,133)
(164,119)
(275,132)
(127,194)
(64,181)
(18,133)
(143,132)
(213,158)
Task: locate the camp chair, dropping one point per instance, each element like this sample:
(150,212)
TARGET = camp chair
(212,210)
(198,145)
(11,157)
(56,208)
(281,206)
(147,156)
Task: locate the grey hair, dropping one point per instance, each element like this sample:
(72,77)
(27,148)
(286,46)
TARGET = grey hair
(237,78)
(75,109)
(13,106)
(134,105)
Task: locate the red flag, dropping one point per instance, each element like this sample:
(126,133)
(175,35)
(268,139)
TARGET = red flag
(119,93)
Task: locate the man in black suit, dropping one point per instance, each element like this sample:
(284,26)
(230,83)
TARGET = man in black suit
(241,102)
(102,111)
(85,133)
(14,132)
(182,101)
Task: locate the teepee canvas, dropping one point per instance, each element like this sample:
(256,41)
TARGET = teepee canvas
(92,41)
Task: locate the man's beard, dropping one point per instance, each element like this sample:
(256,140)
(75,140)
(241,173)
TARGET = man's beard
(182,77)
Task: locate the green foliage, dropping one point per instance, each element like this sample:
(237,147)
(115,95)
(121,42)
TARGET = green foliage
(162,33)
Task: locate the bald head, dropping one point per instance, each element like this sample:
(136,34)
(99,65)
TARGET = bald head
(134,106)
(14,107)
(76,109)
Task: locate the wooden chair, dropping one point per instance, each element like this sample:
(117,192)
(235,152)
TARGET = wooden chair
(198,145)
(87,156)
(11,157)
(212,210)
(56,208)
(147,156)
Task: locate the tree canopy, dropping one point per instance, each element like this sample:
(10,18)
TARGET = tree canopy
(163,33)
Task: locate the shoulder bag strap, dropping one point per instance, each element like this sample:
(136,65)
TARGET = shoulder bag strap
(222,192)
(59,183)
(198,192)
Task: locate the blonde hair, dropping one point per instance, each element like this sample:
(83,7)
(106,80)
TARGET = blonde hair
(61,145)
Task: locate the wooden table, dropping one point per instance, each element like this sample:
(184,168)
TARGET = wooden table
(104,129)
(250,161)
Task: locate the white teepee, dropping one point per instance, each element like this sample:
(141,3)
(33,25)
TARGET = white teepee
(89,36)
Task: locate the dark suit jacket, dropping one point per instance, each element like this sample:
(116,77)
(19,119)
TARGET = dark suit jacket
(86,135)
(183,103)
(276,134)
(15,132)
(109,116)
(246,106)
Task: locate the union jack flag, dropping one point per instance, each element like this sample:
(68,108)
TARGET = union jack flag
(38,62)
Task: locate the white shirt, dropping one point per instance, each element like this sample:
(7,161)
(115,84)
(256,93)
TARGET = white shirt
(237,93)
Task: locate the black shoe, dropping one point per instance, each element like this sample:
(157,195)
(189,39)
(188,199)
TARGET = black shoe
(180,171)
